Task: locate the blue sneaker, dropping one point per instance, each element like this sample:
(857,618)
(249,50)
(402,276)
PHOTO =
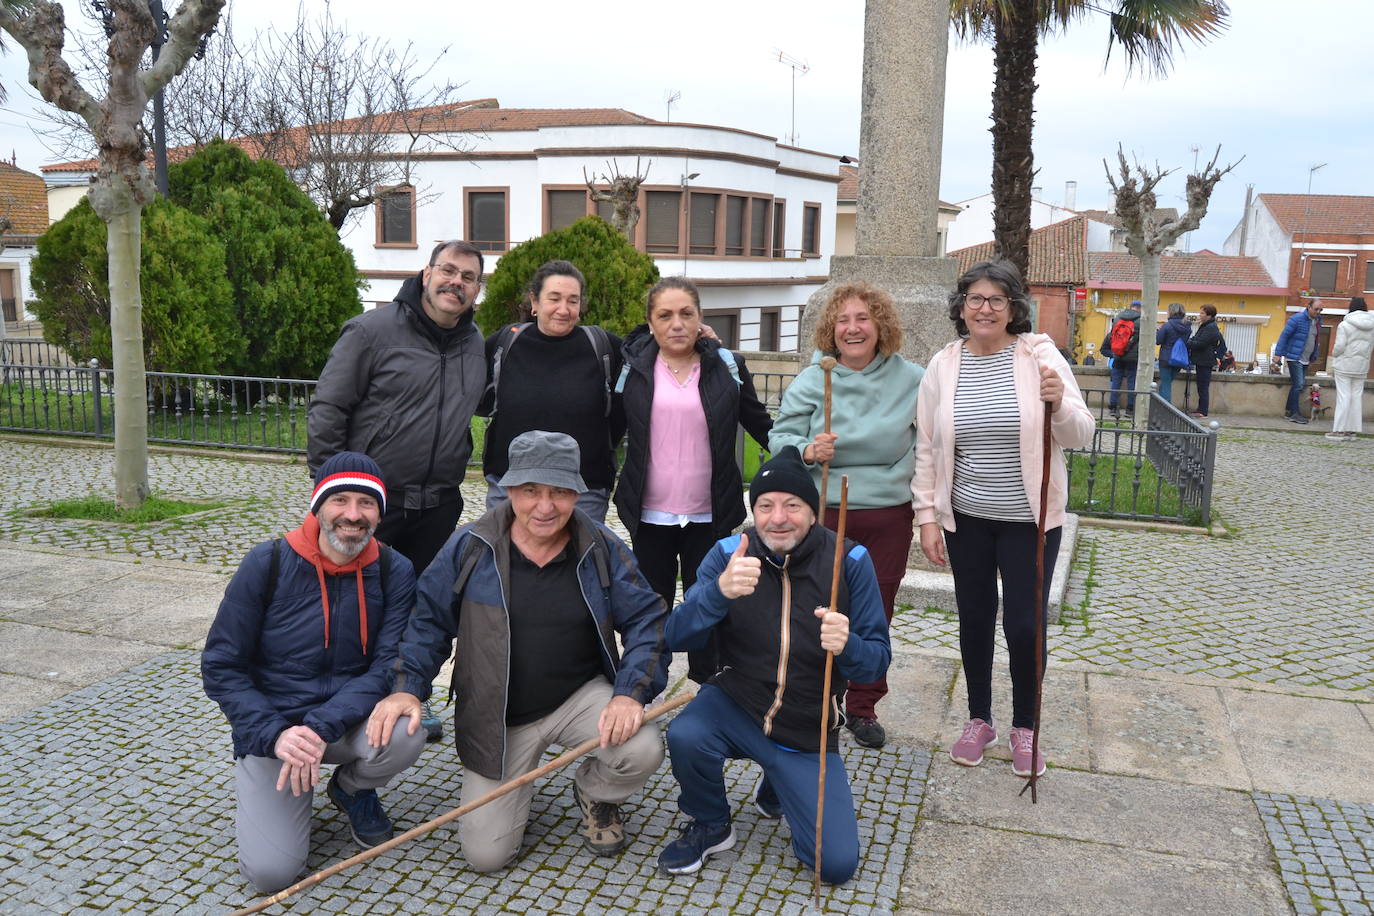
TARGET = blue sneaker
(686,854)
(367,820)
(766,800)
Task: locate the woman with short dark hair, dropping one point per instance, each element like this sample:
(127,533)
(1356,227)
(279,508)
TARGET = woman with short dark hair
(1202,349)
(980,421)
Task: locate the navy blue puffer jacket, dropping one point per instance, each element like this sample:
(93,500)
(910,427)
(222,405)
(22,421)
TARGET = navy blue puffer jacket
(267,665)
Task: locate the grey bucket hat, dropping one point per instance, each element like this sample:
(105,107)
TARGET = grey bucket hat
(548,458)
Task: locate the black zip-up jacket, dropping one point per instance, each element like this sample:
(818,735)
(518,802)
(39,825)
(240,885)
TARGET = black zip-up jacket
(727,405)
(402,391)
(772,663)
(1202,346)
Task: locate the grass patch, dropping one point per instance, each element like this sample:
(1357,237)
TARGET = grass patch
(1110,487)
(1080,610)
(99,509)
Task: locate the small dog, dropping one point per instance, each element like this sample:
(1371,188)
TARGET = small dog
(1315,398)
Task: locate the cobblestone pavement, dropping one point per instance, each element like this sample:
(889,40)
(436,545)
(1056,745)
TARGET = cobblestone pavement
(1325,852)
(1287,600)
(117,817)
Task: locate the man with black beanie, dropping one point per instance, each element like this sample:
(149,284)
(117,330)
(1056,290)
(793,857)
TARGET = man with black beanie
(763,591)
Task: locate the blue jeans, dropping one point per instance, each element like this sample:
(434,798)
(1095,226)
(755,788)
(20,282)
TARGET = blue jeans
(1297,374)
(712,729)
(1166,381)
(1123,376)
(593,502)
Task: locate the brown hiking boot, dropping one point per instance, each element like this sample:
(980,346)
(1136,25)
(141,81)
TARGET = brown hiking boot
(603,829)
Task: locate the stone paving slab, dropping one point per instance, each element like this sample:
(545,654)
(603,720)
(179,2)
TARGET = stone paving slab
(1198,822)
(957,868)
(75,659)
(1164,730)
(1325,851)
(1064,732)
(1304,746)
(118,816)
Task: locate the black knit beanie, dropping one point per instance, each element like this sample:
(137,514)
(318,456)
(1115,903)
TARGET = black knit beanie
(785,473)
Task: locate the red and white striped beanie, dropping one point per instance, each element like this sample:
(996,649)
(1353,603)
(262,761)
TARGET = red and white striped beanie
(348,471)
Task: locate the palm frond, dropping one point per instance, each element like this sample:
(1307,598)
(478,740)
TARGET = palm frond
(1150,31)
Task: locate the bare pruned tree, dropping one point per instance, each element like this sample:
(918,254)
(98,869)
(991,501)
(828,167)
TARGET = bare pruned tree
(1149,232)
(621,192)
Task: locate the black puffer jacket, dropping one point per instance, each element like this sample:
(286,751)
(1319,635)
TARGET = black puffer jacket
(1202,346)
(727,405)
(402,391)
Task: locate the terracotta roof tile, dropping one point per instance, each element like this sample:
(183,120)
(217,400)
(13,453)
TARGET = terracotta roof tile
(1111,219)
(849,183)
(23,200)
(1201,268)
(1334,213)
(1056,253)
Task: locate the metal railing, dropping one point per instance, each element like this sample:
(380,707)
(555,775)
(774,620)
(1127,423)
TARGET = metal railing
(234,412)
(30,351)
(1159,472)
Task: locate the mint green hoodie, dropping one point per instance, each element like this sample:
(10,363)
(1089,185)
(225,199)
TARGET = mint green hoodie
(873,411)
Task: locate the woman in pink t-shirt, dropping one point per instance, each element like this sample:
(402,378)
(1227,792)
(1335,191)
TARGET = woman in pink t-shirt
(684,397)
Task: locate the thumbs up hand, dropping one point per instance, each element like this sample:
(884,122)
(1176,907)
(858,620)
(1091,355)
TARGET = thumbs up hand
(741,574)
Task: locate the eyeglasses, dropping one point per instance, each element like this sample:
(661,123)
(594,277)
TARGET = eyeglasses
(996,303)
(449,272)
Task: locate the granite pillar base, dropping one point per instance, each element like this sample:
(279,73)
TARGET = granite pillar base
(920,287)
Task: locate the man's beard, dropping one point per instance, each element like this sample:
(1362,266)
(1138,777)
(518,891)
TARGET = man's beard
(786,542)
(347,546)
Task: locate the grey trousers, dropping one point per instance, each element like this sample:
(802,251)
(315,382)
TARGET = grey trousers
(274,827)
(491,835)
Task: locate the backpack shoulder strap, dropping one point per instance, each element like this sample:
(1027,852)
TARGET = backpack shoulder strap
(601,346)
(503,344)
(727,357)
(273,570)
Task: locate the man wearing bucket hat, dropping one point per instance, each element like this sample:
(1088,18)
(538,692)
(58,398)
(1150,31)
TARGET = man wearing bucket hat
(299,653)
(534,593)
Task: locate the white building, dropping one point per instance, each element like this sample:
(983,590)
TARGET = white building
(23,217)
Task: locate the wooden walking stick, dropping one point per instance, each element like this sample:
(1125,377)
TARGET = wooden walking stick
(1040,606)
(828,364)
(586,747)
(829,662)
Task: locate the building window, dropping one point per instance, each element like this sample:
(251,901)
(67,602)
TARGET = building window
(9,296)
(487,218)
(779,223)
(1369,276)
(606,210)
(735,208)
(726,326)
(758,228)
(662,221)
(1323,276)
(811,230)
(396,217)
(769,321)
(566,208)
(702,221)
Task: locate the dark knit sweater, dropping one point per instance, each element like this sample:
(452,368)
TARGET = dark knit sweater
(555,384)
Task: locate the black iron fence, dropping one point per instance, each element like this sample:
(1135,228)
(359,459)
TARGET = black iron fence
(31,351)
(1159,471)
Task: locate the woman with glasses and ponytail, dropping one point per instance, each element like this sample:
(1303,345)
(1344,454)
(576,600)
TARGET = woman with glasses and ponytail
(980,422)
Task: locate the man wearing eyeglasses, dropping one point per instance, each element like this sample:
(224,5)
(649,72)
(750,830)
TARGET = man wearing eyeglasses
(401,386)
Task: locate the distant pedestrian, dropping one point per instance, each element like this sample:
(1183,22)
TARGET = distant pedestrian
(1202,349)
(1350,365)
(299,653)
(1297,347)
(1122,344)
(979,431)
(1175,328)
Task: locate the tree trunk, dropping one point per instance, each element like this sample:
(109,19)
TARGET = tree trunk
(1149,323)
(1013,118)
(124,221)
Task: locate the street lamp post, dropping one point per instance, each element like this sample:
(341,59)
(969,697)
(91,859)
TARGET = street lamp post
(687,241)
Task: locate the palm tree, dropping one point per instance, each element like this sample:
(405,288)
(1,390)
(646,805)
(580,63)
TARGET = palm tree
(1149,31)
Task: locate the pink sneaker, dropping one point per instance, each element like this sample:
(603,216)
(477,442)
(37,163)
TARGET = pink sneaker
(1020,739)
(968,750)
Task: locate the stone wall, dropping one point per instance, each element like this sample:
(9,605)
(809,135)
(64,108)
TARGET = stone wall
(1237,394)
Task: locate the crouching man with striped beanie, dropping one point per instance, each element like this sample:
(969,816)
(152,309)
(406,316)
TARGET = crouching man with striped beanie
(298,655)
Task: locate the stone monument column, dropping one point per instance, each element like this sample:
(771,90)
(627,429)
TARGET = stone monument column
(900,139)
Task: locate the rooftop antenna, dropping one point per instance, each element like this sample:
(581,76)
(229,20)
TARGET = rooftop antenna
(672,96)
(798,66)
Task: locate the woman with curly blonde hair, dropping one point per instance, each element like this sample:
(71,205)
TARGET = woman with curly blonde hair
(872,438)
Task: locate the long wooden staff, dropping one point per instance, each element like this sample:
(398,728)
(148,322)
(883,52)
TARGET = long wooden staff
(828,364)
(825,689)
(586,747)
(1040,606)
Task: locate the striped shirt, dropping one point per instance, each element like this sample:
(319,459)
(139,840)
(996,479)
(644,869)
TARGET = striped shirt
(987,440)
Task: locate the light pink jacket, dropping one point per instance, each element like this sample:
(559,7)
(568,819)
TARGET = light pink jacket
(1072,426)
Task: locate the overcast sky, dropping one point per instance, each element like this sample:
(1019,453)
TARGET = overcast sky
(1285,91)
